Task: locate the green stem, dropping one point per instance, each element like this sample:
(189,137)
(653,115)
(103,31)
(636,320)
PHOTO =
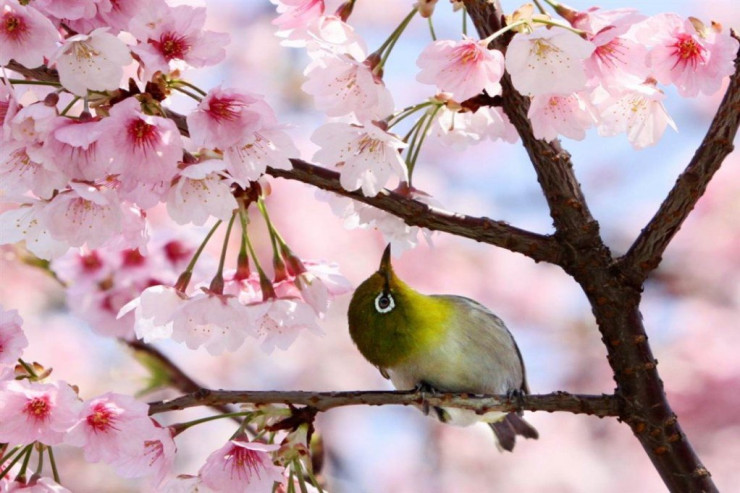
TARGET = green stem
(69,106)
(25,451)
(9,454)
(180,427)
(431,28)
(197,89)
(267,290)
(424,134)
(22,82)
(40,465)
(217,283)
(26,460)
(291,483)
(406,112)
(501,31)
(464,21)
(313,479)
(184,279)
(540,7)
(54,470)
(386,48)
(187,93)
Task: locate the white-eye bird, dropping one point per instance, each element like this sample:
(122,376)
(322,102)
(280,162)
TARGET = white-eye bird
(439,342)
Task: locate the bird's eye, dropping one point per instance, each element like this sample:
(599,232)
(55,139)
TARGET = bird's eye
(384,303)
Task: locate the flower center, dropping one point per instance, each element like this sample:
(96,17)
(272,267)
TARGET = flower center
(14,26)
(142,133)
(172,46)
(38,408)
(688,50)
(101,418)
(224,109)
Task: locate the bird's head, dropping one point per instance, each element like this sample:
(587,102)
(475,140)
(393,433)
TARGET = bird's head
(384,314)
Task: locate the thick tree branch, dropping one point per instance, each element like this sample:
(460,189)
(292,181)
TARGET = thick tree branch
(572,219)
(416,213)
(601,406)
(645,253)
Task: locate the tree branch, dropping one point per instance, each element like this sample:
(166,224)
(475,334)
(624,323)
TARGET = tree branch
(416,213)
(645,253)
(601,406)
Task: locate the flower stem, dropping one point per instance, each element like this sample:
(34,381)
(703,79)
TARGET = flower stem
(26,459)
(387,46)
(217,283)
(54,470)
(34,82)
(464,21)
(25,451)
(406,112)
(176,82)
(430,119)
(431,28)
(184,279)
(180,427)
(267,290)
(187,93)
(28,368)
(40,465)
(69,106)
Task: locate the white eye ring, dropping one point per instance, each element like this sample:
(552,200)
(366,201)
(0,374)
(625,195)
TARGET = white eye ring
(386,298)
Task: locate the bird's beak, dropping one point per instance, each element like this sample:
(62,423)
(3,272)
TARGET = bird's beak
(385,262)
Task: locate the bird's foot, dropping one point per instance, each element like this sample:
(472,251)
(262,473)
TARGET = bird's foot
(425,388)
(517,397)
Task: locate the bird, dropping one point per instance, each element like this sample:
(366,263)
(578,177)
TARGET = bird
(439,343)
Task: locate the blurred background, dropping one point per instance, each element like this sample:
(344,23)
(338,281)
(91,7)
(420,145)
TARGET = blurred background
(691,304)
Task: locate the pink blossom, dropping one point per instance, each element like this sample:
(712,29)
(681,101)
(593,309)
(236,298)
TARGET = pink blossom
(19,173)
(638,111)
(68,9)
(688,54)
(31,411)
(368,155)
(548,61)
(331,33)
(92,61)
(72,145)
(26,36)
(553,115)
(12,338)
(295,17)
(84,215)
(27,223)
(326,274)
(463,68)
(241,466)
(248,160)
(201,192)
(282,322)
(173,38)
(108,426)
(154,312)
(459,129)
(617,59)
(8,108)
(343,86)
(226,117)
(150,452)
(145,149)
(31,124)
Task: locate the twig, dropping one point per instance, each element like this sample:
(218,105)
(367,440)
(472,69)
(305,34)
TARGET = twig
(645,253)
(597,405)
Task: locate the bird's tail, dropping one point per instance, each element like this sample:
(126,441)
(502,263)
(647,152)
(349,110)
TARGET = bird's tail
(509,427)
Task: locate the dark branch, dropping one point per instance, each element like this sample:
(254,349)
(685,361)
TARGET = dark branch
(601,406)
(571,217)
(645,253)
(416,213)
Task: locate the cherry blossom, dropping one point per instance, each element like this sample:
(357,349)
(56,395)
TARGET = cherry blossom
(109,426)
(548,61)
(367,155)
(27,223)
(91,62)
(35,484)
(173,38)
(688,54)
(31,124)
(68,9)
(226,117)
(638,111)
(295,17)
(553,115)
(145,149)
(12,338)
(321,282)
(331,33)
(343,86)
(32,411)
(84,215)
(19,173)
(248,160)
(463,68)
(201,192)
(241,466)
(458,129)
(150,452)
(154,310)
(72,145)
(282,322)
(26,36)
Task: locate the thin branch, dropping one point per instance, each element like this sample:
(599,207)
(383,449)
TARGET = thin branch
(416,213)
(601,405)
(645,253)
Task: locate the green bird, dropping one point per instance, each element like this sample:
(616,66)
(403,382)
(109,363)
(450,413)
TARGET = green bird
(441,343)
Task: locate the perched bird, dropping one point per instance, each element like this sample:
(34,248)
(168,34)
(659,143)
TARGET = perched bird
(441,343)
